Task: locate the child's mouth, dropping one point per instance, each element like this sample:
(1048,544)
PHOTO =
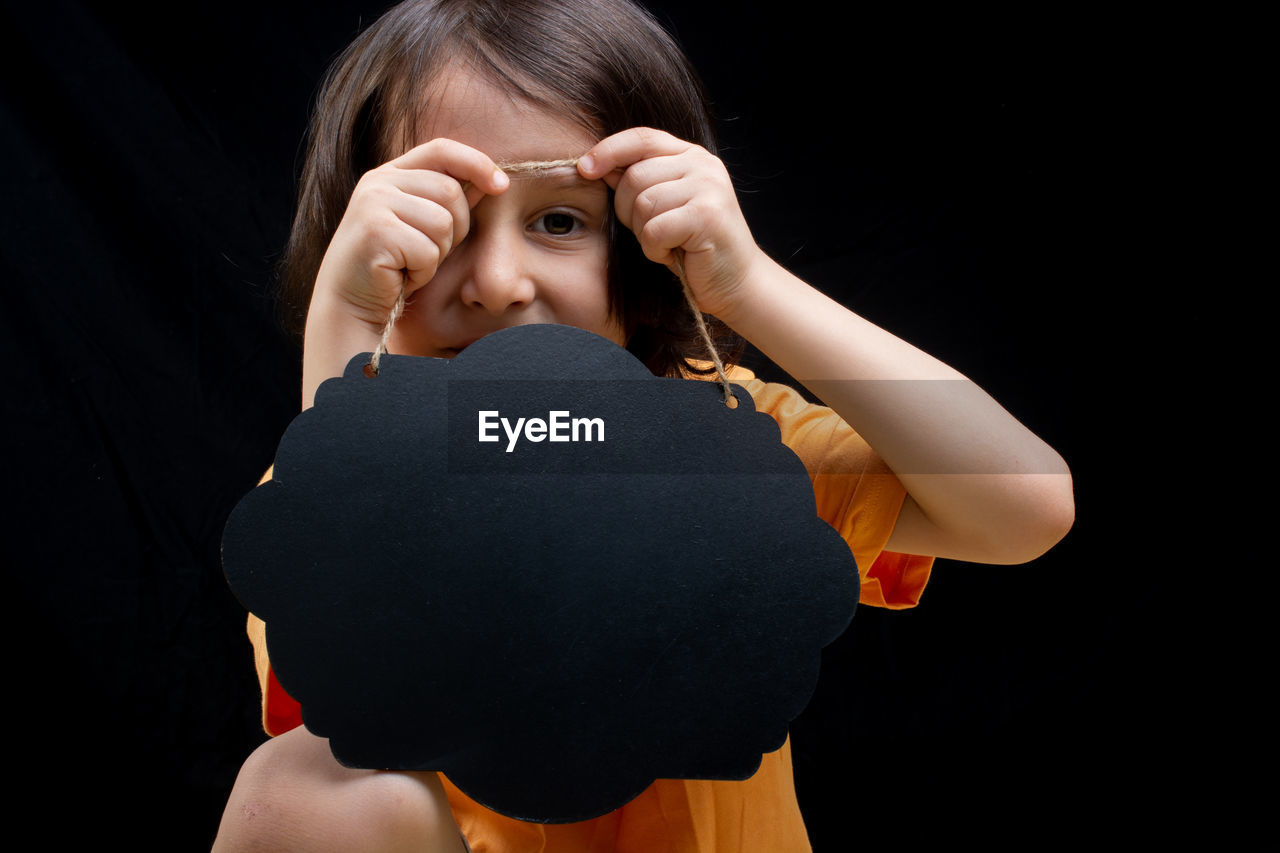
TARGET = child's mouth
(450,352)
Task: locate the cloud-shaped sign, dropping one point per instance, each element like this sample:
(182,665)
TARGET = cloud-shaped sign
(542,571)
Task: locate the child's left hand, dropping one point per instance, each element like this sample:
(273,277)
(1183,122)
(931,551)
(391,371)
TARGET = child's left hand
(674,194)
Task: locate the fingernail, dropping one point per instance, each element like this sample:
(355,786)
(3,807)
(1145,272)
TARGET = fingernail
(586,163)
(500,178)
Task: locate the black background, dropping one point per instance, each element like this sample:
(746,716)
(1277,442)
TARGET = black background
(925,173)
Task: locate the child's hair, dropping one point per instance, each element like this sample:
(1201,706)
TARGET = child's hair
(605,64)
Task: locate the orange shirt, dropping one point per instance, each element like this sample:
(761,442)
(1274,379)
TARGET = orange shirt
(858,495)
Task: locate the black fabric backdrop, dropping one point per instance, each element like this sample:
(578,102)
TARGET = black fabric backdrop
(926,182)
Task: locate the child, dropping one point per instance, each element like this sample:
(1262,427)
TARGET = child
(404,191)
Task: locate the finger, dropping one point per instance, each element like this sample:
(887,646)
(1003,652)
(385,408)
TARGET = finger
(432,202)
(463,163)
(421,198)
(416,255)
(434,221)
(642,203)
(617,152)
(667,231)
(402,257)
(645,176)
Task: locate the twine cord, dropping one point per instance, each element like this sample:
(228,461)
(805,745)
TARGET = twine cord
(396,311)
(538,168)
(677,261)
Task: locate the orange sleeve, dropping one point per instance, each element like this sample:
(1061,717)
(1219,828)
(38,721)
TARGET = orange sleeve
(856,493)
(280,712)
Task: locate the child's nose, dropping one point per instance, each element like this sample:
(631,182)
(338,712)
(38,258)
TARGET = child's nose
(497,280)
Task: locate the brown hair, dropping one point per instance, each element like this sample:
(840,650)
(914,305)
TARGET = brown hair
(605,64)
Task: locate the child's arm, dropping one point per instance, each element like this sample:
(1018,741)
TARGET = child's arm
(402,220)
(981,487)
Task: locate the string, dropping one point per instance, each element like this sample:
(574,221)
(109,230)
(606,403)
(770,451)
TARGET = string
(538,168)
(677,261)
(396,311)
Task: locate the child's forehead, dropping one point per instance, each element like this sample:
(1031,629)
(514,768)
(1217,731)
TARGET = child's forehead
(468,107)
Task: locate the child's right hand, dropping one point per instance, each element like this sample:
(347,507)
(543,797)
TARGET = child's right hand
(403,219)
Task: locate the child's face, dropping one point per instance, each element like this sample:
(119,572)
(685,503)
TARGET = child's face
(537,253)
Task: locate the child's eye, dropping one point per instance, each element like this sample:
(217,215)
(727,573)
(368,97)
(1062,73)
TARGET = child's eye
(558,224)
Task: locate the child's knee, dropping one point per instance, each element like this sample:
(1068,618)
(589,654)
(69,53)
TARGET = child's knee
(292,795)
